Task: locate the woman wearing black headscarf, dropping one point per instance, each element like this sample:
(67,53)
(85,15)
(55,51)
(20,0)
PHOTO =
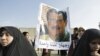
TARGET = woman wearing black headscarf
(89,44)
(13,43)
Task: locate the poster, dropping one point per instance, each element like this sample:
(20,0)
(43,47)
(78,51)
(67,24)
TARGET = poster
(54,28)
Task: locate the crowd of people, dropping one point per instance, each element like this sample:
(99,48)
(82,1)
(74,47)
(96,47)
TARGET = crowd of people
(75,37)
(13,42)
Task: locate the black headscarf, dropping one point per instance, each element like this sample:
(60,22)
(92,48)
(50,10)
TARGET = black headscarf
(83,48)
(20,45)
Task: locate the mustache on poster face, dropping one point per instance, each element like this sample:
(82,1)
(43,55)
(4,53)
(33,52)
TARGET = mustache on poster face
(55,27)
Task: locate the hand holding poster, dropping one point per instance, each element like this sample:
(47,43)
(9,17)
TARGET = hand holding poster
(54,29)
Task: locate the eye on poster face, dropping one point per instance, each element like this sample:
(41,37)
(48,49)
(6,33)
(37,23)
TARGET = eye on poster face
(54,29)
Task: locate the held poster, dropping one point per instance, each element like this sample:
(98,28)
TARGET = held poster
(54,28)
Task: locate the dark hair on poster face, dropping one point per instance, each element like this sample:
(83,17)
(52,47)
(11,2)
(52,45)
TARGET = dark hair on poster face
(64,14)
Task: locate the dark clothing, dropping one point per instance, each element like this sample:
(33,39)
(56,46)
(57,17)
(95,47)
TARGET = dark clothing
(63,52)
(71,49)
(74,36)
(74,39)
(73,44)
(20,45)
(83,47)
(46,52)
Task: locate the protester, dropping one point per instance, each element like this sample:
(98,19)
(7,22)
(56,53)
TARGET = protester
(26,34)
(73,41)
(80,32)
(13,43)
(75,37)
(89,44)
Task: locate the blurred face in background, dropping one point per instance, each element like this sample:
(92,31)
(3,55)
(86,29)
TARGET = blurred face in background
(81,31)
(27,36)
(75,31)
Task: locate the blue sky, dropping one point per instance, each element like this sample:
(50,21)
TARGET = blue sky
(24,13)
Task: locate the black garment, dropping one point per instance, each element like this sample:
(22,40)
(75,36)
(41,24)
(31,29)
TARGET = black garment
(73,43)
(45,52)
(20,45)
(74,36)
(63,52)
(83,48)
(75,39)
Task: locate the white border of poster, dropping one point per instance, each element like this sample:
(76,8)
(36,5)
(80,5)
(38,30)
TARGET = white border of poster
(48,44)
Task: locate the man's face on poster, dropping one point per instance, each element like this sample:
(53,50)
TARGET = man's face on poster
(56,24)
